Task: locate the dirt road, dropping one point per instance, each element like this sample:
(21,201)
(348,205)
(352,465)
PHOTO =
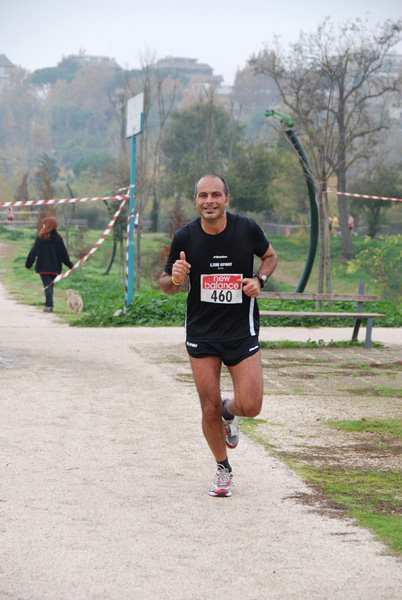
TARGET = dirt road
(105,477)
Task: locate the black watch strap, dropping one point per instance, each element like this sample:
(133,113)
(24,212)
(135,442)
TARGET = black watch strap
(262,279)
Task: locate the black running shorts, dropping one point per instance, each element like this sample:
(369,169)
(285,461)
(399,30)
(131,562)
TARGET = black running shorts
(231,352)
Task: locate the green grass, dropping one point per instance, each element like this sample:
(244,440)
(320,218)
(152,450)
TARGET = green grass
(104,295)
(250,427)
(392,311)
(377,390)
(390,427)
(313,344)
(372,497)
(292,254)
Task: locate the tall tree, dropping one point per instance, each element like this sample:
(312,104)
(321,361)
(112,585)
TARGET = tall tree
(252,95)
(21,194)
(332,82)
(46,175)
(19,112)
(388,181)
(199,138)
(77,114)
(159,100)
(159,91)
(287,191)
(45,179)
(251,175)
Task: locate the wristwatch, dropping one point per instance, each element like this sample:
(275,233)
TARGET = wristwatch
(262,279)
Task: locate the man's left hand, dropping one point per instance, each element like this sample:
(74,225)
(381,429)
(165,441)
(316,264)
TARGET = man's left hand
(251,286)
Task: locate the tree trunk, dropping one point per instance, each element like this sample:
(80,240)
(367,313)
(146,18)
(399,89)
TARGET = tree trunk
(67,240)
(347,245)
(321,246)
(122,269)
(327,246)
(111,261)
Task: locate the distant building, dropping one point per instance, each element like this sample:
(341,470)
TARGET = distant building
(84,59)
(189,67)
(225,91)
(224,95)
(6,66)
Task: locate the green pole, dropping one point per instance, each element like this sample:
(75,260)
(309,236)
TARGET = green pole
(308,174)
(313,210)
(130,258)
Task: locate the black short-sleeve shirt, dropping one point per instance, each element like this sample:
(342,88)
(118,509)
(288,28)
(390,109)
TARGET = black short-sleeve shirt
(217,308)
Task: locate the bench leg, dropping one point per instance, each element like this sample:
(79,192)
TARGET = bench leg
(369,328)
(356,329)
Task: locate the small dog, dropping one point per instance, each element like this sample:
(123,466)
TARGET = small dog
(74,301)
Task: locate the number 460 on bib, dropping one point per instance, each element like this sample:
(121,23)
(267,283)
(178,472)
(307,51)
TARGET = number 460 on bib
(221,289)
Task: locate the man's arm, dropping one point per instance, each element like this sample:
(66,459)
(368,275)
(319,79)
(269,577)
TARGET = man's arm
(166,284)
(170,284)
(268,262)
(251,285)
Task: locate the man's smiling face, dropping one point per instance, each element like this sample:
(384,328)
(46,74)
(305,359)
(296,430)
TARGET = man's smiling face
(210,199)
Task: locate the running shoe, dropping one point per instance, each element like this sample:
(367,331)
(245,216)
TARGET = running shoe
(221,484)
(231,428)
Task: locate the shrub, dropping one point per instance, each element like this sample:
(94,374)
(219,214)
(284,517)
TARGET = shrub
(382,260)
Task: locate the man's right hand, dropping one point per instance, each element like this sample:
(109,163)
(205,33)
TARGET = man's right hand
(181,268)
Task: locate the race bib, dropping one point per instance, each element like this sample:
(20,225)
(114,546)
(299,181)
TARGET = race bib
(221,289)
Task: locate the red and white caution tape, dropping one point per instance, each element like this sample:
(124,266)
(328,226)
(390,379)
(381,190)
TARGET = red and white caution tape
(98,243)
(117,198)
(123,311)
(364,196)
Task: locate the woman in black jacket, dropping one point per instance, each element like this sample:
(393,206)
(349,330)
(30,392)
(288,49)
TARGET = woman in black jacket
(50,252)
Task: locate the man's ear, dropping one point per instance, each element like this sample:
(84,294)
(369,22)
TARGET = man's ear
(227,199)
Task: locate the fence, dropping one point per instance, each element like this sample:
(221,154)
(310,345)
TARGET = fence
(361,230)
(30,217)
(21,217)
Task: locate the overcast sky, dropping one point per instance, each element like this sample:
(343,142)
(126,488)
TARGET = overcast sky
(222,33)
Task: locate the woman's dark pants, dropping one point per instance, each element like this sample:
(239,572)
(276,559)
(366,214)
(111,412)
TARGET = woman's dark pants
(46,280)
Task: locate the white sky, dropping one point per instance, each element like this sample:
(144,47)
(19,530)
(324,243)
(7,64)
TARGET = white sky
(222,33)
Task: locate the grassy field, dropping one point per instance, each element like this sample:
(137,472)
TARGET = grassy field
(104,294)
(370,495)
(99,291)
(292,253)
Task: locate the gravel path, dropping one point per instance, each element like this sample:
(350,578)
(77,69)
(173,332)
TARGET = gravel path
(105,477)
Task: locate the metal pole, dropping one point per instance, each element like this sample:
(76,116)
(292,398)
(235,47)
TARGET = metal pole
(311,187)
(130,268)
(313,209)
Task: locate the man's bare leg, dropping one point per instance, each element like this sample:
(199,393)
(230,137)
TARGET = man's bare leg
(248,387)
(207,372)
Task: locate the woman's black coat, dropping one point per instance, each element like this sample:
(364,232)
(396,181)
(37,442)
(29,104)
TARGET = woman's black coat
(49,255)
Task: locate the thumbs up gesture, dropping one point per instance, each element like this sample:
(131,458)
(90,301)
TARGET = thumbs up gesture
(180,269)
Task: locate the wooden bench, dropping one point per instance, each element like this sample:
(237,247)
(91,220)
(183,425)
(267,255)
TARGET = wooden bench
(359,315)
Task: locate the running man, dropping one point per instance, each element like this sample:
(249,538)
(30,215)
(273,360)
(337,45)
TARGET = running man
(216,252)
